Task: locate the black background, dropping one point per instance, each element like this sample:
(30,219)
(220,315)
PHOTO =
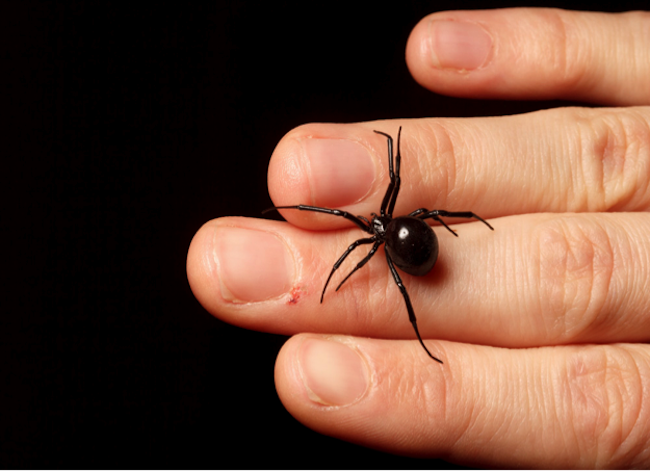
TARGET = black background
(124,129)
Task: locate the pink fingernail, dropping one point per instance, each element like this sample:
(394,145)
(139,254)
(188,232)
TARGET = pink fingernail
(252,265)
(341,171)
(458,45)
(334,373)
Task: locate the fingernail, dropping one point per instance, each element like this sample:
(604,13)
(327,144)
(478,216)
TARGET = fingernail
(333,373)
(252,265)
(458,45)
(341,171)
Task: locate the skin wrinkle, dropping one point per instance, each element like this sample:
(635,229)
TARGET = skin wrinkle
(630,155)
(358,291)
(642,39)
(562,401)
(548,407)
(354,311)
(615,159)
(560,64)
(558,323)
(494,389)
(523,258)
(610,150)
(586,174)
(580,402)
(625,411)
(607,255)
(643,260)
(471,169)
(382,288)
(372,286)
(576,270)
(556,171)
(416,160)
(596,389)
(637,35)
(643,415)
(622,435)
(456,383)
(446,163)
(577,67)
(509,424)
(642,167)
(419,159)
(592,167)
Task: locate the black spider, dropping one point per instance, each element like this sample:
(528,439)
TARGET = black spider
(411,244)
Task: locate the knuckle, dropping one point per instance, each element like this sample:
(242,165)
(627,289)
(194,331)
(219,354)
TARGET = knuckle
(601,392)
(564,57)
(615,159)
(576,56)
(576,263)
(439,167)
(567,53)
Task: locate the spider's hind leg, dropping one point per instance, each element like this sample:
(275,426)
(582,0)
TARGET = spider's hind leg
(409,307)
(424,213)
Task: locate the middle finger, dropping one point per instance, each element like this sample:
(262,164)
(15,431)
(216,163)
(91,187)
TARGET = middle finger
(539,279)
(569,159)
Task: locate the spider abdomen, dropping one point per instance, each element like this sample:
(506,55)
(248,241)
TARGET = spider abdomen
(412,245)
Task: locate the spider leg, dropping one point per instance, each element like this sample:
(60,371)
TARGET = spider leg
(424,210)
(417,212)
(390,197)
(334,212)
(362,262)
(436,213)
(354,245)
(398,180)
(409,307)
(454,214)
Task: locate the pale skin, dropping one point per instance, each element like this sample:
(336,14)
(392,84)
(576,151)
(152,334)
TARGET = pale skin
(542,324)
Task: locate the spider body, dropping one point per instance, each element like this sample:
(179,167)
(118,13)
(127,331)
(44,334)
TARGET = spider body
(411,244)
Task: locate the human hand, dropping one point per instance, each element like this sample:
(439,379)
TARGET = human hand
(540,323)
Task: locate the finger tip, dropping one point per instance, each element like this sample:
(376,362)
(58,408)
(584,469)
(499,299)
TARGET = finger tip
(233,262)
(417,53)
(288,180)
(200,266)
(464,69)
(326,165)
(321,379)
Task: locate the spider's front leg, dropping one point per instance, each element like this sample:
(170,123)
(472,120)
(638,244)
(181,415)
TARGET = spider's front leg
(358,220)
(388,203)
